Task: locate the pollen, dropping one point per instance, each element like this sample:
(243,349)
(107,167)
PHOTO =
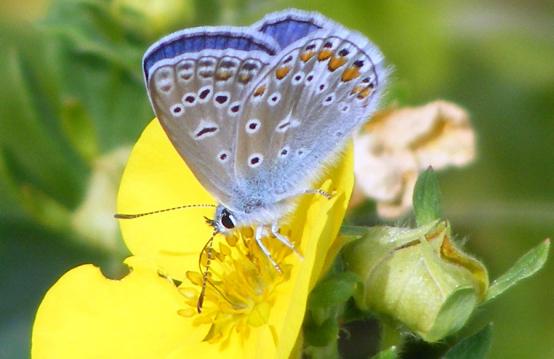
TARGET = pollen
(240,288)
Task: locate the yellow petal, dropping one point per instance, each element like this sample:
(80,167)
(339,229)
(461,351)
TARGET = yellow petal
(85,315)
(321,221)
(155,178)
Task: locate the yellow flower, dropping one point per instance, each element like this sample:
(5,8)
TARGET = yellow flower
(398,144)
(250,311)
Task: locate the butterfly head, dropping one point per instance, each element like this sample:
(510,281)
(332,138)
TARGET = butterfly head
(224,220)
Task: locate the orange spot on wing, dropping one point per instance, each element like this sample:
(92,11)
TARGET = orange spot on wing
(244,78)
(222,75)
(324,55)
(335,63)
(306,56)
(259,91)
(365,92)
(356,90)
(350,74)
(281,72)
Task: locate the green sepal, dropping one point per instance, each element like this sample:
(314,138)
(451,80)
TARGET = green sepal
(390,353)
(333,291)
(323,334)
(473,347)
(427,198)
(530,263)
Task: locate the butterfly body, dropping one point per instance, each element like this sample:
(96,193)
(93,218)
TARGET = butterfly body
(257,112)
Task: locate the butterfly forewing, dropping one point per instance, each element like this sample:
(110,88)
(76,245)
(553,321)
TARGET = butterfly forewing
(198,97)
(307,103)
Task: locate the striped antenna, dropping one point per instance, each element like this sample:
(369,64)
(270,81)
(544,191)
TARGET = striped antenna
(208,250)
(132,216)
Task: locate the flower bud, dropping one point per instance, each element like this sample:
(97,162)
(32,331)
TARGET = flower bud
(417,277)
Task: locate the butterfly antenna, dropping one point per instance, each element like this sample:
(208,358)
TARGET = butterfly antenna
(208,250)
(137,215)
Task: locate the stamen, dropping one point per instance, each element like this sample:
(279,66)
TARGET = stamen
(234,287)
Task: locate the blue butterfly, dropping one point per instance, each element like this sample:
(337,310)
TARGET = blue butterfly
(256,112)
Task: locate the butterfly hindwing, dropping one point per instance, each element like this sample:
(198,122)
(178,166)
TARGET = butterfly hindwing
(304,107)
(197,80)
(287,26)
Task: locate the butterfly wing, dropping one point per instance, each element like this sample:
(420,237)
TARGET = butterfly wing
(288,26)
(196,80)
(315,93)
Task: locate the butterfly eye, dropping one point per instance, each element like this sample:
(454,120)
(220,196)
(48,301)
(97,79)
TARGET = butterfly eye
(227,219)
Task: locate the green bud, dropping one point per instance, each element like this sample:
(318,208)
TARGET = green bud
(417,277)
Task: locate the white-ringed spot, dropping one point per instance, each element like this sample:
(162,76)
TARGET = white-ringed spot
(189,99)
(255,160)
(253,126)
(185,71)
(234,108)
(283,126)
(310,78)
(321,88)
(329,99)
(297,78)
(163,78)
(204,130)
(223,156)
(204,94)
(177,110)
(206,62)
(284,152)
(274,98)
(221,98)
(228,62)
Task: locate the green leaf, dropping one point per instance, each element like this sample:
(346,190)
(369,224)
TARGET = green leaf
(427,198)
(525,267)
(474,347)
(321,335)
(334,290)
(390,353)
(79,129)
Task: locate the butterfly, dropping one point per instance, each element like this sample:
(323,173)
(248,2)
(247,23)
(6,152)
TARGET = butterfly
(257,112)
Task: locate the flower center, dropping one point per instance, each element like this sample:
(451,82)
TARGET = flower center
(239,285)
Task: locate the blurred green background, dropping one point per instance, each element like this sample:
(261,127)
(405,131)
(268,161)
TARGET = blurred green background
(72,103)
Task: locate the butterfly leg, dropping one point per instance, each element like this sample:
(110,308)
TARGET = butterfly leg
(260,233)
(319,192)
(283,239)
